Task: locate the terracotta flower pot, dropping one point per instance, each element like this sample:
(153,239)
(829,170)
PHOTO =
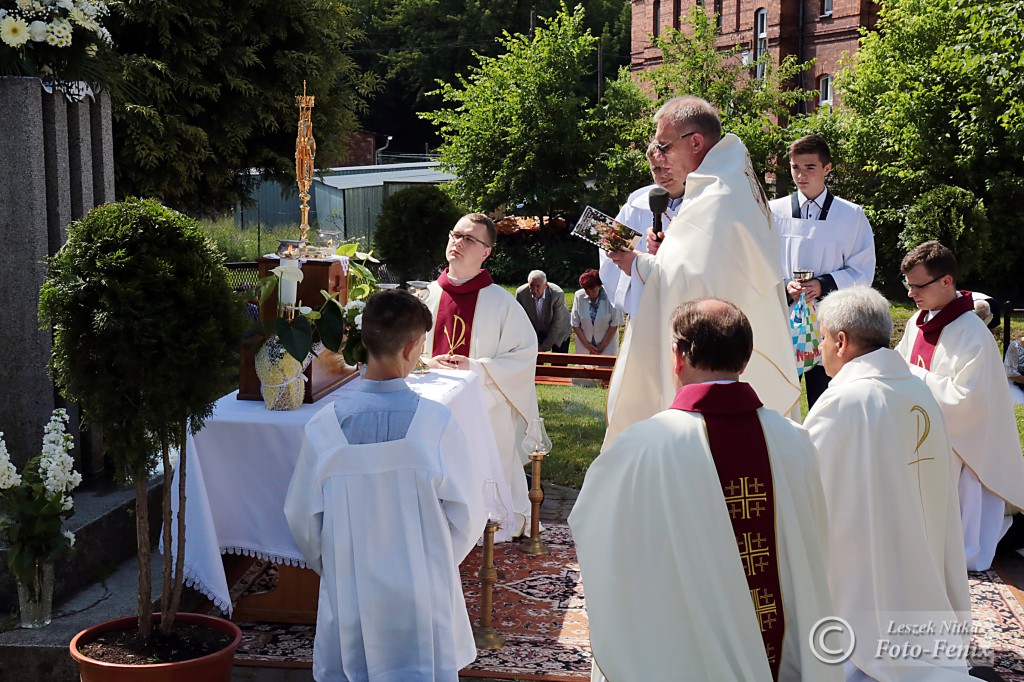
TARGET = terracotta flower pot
(215,667)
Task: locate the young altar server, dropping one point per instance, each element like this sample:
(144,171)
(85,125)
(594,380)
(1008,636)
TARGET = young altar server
(385,503)
(895,551)
(480,327)
(821,233)
(701,531)
(949,346)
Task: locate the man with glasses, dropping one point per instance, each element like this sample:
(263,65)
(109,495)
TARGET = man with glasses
(480,327)
(636,213)
(720,243)
(949,347)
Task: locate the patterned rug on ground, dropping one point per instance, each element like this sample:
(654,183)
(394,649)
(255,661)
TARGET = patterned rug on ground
(539,610)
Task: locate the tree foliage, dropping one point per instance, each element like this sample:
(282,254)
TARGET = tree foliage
(210,90)
(413,44)
(954,217)
(936,101)
(146,333)
(412,230)
(519,130)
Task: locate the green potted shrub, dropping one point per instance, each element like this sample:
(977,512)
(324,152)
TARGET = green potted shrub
(146,333)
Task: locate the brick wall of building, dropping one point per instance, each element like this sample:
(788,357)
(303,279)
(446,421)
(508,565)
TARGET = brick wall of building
(825,36)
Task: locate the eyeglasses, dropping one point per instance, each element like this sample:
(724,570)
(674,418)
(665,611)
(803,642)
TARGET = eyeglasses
(918,287)
(655,147)
(456,236)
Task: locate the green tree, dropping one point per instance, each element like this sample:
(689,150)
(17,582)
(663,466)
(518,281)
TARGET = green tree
(519,129)
(954,217)
(413,44)
(146,334)
(936,101)
(210,90)
(412,230)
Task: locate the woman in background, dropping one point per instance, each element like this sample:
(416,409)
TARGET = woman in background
(594,319)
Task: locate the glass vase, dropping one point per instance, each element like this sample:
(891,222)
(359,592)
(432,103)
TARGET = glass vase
(35,597)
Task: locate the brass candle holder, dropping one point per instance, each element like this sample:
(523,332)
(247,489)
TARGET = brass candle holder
(533,545)
(484,635)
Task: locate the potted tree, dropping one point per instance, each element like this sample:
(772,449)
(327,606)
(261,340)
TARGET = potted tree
(146,338)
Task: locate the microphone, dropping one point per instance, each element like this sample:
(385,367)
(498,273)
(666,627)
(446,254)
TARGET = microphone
(657,199)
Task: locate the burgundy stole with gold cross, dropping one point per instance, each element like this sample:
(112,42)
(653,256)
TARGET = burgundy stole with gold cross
(453,328)
(928,332)
(740,453)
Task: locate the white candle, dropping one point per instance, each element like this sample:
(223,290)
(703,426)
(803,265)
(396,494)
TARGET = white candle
(289,287)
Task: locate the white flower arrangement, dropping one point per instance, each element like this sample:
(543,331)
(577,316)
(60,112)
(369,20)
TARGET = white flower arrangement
(56,40)
(53,22)
(35,503)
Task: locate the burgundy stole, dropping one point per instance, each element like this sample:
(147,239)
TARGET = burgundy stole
(453,327)
(928,332)
(740,453)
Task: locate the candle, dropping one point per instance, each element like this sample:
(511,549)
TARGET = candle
(289,285)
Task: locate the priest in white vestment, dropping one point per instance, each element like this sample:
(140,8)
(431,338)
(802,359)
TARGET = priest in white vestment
(896,554)
(701,531)
(637,213)
(479,326)
(385,503)
(949,346)
(721,243)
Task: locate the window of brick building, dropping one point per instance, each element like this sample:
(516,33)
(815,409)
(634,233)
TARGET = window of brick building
(656,19)
(677,12)
(718,14)
(824,90)
(826,8)
(760,38)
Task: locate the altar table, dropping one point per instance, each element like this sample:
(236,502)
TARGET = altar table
(240,464)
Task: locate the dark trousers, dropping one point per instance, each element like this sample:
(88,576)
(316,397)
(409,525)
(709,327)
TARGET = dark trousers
(816,381)
(562,347)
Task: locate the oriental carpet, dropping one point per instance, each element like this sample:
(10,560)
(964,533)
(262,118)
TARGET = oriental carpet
(539,610)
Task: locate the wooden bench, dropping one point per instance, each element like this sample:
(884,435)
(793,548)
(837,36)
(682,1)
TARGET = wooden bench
(562,368)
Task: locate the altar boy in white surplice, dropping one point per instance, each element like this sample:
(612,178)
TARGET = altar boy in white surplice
(701,531)
(385,503)
(896,559)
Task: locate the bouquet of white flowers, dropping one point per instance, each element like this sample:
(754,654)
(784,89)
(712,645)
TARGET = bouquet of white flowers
(35,503)
(56,40)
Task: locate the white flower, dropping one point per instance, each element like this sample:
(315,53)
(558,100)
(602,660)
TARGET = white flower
(355,305)
(3,13)
(70,536)
(359,321)
(9,476)
(287,274)
(37,31)
(14,31)
(65,4)
(68,504)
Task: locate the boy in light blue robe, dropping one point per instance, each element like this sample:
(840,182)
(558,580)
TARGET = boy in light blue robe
(385,502)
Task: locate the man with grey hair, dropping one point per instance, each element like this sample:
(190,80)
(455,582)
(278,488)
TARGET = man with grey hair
(544,304)
(720,243)
(888,473)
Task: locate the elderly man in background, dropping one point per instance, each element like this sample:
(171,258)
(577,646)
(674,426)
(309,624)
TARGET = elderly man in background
(478,326)
(949,347)
(721,243)
(895,550)
(701,531)
(544,303)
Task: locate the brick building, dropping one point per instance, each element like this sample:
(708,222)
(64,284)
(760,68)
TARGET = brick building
(808,29)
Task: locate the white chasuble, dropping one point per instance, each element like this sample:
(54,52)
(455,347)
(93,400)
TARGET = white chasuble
(965,374)
(503,353)
(665,578)
(895,551)
(721,243)
(386,526)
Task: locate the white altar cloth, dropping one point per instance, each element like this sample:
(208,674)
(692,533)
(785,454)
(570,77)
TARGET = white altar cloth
(240,464)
